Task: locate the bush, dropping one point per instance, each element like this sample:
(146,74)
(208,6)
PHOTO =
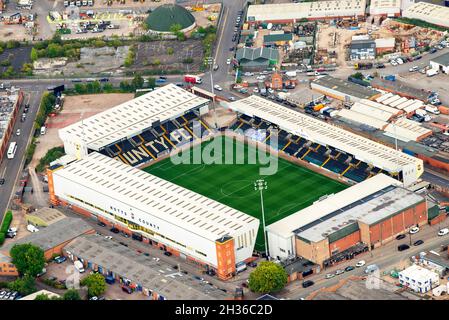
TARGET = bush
(2,238)
(187,60)
(30,151)
(50,156)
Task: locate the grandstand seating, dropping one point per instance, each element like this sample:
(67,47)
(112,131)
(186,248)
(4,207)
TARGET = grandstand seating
(158,140)
(326,157)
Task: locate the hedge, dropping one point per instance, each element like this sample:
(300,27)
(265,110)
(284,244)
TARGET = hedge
(2,238)
(6,222)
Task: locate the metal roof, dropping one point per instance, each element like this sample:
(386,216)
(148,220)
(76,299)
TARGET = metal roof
(320,209)
(315,9)
(429,12)
(325,133)
(150,273)
(370,210)
(407,130)
(345,87)
(358,117)
(443,59)
(55,234)
(155,196)
(132,117)
(277,37)
(379,112)
(257,53)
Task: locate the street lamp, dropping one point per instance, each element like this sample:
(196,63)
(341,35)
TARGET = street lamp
(260,185)
(211,61)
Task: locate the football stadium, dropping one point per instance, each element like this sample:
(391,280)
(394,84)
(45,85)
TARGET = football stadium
(126,172)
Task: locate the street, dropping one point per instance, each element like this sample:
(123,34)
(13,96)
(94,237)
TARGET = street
(11,168)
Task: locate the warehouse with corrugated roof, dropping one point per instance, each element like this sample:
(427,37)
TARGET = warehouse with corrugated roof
(428,12)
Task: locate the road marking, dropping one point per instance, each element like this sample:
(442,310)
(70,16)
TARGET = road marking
(221,33)
(3,174)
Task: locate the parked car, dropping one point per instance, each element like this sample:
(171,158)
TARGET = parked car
(413,69)
(329,275)
(361,263)
(443,232)
(127,289)
(403,247)
(115,230)
(307,283)
(102,224)
(349,268)
(414,230)
(217,87)
(400,236)
(418,242)
(60,259)
(252,264)
(18,132)
(432,50)
(167,253)
(339,271)
(108,237)
(2,181)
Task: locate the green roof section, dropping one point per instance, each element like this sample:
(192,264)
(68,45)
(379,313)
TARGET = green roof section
(163,17)
(252,54)
(277,37)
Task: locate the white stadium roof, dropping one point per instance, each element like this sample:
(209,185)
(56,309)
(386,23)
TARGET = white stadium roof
(155,196)
(319,209)
(324,133)
(315,9)
(132,117)
(429,12)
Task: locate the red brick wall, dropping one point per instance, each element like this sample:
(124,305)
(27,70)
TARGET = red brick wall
(345,243)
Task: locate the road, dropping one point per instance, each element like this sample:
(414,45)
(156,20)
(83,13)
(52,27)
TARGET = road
(11,168)
(385,257)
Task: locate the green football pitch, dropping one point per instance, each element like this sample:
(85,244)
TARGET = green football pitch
(290,189)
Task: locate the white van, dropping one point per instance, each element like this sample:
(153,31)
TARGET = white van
(79,266)
(432,109)
(43,130)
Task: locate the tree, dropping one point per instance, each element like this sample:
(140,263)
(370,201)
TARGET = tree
(42,296)
(151,82)
(25,285)
(28,259)
(137,82)
(96,284)
(358,75)
(268,277)
(170,51)
(71,294)
(175,28)
(33,54)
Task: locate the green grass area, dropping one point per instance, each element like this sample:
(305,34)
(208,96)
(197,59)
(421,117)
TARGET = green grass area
(290,189)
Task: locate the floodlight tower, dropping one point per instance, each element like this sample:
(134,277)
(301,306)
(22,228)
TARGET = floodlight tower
(211,61)
(260,185)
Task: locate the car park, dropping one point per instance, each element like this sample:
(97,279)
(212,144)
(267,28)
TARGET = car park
(400,236)
(414,230)
(403,247)
(443,232)
(418,242)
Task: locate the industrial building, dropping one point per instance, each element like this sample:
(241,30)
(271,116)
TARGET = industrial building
(257,59)
(176,219)
(343,90)
(148,275)
(375,110)
(311,129)
(441,62)
(316,10)
(407,130)
(349,115)
(53,238)
(10,102)
(362,49)
(428,12)
(370,213)
(419,279)
(385,8)
(384,45)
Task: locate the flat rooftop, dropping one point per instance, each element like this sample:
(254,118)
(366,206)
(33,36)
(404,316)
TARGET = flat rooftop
(370,210)
(325,133)
(132,117)
(55,234)
(7,103)
(151,273)
(321,208)
(346,87)
(154,196)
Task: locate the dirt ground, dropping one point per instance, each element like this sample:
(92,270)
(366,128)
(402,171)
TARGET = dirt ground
(75,109)
(14,32)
